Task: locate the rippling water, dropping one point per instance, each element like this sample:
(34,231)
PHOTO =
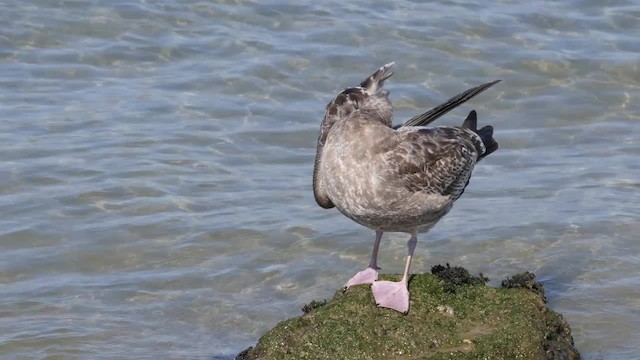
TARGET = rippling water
(155,179)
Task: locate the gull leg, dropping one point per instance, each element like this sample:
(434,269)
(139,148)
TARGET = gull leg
(395,295)
(370,274)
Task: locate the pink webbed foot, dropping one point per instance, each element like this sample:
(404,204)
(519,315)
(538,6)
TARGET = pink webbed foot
(392,295)
(366,276)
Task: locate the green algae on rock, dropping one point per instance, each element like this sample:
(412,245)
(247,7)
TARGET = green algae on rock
(453,315)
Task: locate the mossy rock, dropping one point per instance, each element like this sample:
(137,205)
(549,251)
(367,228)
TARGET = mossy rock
(452,316)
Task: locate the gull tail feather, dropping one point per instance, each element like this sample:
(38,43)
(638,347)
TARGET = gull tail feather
(485,134)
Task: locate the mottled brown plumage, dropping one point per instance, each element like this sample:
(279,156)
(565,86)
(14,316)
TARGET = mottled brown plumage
(369,93)
(400,179)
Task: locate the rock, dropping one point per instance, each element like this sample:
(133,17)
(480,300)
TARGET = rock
(453,315)
(445,310)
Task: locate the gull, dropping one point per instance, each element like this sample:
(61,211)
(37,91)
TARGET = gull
(402,178)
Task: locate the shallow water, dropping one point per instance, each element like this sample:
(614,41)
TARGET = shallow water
(155,183)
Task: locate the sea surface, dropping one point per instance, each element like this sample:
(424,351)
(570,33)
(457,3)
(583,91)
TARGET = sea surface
(155,171)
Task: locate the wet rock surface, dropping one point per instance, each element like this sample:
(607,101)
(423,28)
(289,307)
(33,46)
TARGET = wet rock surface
(453,315)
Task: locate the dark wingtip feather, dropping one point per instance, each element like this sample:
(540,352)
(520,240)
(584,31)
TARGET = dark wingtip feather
(433,114)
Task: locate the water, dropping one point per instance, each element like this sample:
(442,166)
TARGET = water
(155,178)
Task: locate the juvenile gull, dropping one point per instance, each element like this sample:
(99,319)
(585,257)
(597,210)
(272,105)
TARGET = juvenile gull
(399,179)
